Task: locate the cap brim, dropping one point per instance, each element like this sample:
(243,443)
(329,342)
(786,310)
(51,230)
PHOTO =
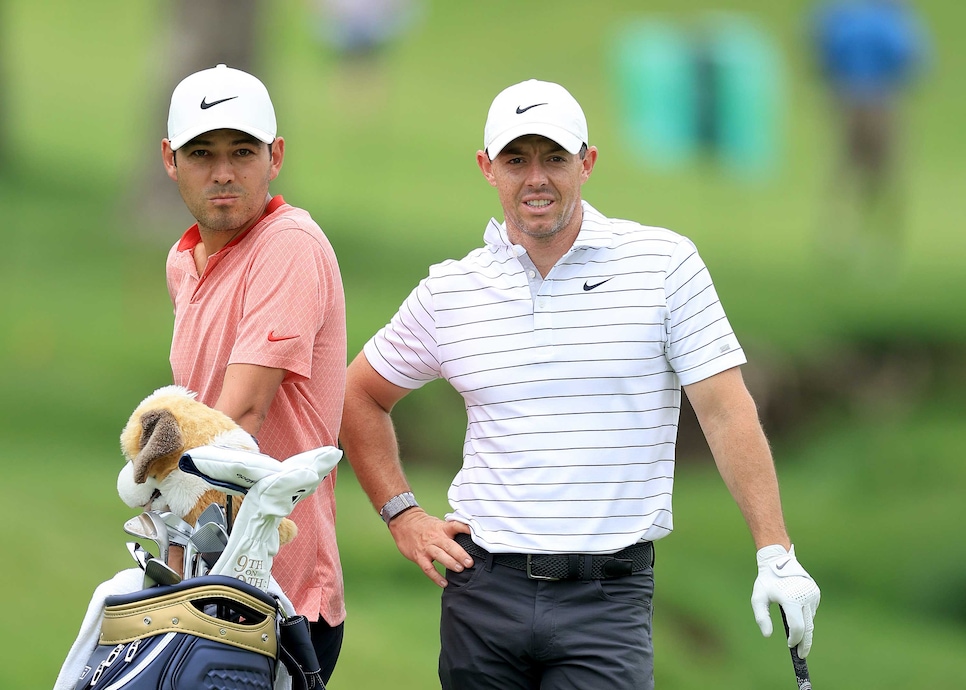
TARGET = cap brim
(187,135)
(568,140)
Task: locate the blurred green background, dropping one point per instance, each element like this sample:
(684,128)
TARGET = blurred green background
(858,368)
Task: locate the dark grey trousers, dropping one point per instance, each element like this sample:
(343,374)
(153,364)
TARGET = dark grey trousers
(500,630)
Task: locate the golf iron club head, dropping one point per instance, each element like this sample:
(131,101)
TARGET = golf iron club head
(213,513)
(179,531)
(210,540)
(141,526)
(190,559)
(162,529)
(156,572)
(149,525)
(140,555)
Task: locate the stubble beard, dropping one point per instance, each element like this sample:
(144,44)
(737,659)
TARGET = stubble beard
(228,220)
(534,231)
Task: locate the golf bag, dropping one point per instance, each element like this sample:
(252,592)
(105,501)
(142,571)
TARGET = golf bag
(206,632)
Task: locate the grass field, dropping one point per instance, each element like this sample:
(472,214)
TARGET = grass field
(871,492)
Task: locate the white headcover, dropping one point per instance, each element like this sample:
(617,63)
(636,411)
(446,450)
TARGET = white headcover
(273,490)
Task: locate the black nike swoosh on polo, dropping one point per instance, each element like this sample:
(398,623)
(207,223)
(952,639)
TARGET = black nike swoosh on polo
(588,286)
(520,110)
(205,105)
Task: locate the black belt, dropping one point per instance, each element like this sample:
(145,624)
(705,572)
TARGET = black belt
(569,566)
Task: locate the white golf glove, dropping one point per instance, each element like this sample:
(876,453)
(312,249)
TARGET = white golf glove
(782,580)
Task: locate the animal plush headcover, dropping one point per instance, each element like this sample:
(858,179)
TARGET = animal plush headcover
(164,425)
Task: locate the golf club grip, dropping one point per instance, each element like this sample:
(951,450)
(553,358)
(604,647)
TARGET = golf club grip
(798,663)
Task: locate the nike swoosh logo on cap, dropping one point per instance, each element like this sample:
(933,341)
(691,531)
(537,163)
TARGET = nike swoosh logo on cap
(588,286)
(520,110)
(205,105)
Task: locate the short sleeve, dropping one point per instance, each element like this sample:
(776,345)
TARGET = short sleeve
(405,351)
(701,342)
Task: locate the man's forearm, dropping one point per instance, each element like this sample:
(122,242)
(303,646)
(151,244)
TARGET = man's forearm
(746,466)
(247,394)
(369,441)
(729,420)
(368,436)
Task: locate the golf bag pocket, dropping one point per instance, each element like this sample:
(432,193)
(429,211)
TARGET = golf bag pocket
(205,632)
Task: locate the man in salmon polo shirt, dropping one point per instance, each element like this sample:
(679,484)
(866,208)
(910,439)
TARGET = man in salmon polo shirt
(259,313)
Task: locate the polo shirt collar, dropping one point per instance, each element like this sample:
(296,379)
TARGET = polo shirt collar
(192,236)
(595,231)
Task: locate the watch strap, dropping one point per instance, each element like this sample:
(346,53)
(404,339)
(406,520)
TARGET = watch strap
(398,504)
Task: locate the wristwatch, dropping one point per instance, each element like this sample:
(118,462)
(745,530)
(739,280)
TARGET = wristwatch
(397,504)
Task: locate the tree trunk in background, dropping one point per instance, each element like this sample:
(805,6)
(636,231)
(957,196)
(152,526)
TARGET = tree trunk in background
(199,34)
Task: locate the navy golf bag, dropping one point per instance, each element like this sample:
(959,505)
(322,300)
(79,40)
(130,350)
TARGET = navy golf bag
(211,632)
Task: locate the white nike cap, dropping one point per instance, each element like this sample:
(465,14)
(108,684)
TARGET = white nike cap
(220,98)
(534,107)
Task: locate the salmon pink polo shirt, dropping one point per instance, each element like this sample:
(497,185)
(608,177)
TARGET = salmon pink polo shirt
(273,297)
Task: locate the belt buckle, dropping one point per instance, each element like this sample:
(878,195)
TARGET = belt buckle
(532,576)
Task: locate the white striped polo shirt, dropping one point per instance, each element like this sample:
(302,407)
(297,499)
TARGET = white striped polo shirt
(573,390)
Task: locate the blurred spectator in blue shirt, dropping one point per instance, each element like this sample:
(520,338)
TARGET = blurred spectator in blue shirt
(869,49)
(868,52)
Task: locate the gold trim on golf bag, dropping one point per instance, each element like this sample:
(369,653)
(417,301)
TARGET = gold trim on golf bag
(206,632)
(178,611)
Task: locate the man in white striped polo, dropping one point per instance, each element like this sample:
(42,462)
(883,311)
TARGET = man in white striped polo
(569,336)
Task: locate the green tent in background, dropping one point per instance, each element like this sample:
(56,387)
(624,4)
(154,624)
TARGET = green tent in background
(712,89)
(654,77)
